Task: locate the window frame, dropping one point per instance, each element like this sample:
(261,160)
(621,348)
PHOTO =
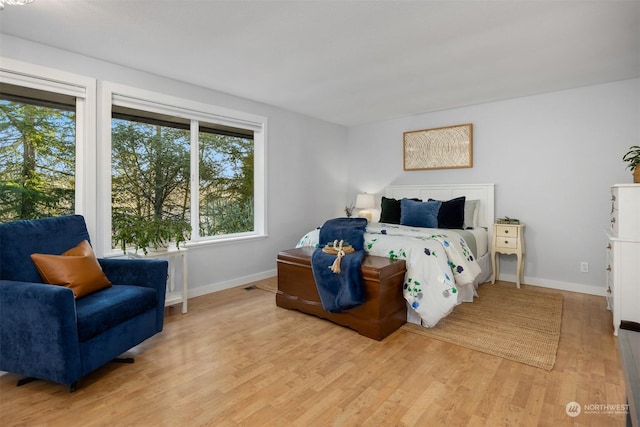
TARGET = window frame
(83,88)
(111,93)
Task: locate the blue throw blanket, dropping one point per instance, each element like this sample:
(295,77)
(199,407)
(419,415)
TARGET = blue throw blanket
(340,291)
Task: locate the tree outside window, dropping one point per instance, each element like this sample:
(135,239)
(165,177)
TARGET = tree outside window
(226,183)
(37,158)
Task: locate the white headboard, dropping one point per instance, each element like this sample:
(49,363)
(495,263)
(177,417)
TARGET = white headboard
(482,192)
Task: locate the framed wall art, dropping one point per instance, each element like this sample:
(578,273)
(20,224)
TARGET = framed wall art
(439,148)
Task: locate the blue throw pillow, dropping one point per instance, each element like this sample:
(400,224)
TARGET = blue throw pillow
(419,214)
(391,210)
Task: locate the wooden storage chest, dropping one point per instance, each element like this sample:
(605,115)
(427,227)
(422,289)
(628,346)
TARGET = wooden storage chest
(384,309)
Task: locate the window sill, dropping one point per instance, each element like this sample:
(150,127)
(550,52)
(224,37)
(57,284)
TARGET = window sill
(213,241)
(202,243)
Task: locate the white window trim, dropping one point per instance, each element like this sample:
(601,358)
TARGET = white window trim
(126,96)
(23,74)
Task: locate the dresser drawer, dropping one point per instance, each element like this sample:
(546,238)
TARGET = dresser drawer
(506,242)
(610,252)
(609,277)
(609,266)
(613,220)
(506,231)
(610,285)
(623,211)
(610,281)
(613,225)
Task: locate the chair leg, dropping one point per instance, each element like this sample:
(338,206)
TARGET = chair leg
(24,381)
(73,387)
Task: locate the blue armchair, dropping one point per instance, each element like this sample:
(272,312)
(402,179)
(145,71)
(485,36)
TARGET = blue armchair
(45,333)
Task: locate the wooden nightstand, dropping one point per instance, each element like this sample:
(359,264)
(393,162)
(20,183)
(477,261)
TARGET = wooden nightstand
(508,239)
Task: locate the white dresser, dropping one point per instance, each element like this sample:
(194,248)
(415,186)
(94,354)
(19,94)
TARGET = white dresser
(623,254)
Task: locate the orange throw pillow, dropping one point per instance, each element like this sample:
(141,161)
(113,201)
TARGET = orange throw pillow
(77,269)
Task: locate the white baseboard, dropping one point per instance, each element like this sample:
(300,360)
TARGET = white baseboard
(215,287)
(556,284)
(533,281)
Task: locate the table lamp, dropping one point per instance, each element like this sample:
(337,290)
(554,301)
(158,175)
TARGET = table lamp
(364,202)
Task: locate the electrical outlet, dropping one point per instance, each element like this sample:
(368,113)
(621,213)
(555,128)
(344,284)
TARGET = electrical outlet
(584,267)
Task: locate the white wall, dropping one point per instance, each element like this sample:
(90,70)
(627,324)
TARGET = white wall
(552,158)
(300,150)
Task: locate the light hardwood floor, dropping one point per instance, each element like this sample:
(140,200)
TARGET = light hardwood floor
(237,359)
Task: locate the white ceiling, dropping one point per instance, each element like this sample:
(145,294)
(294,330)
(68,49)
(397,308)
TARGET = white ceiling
(351,62)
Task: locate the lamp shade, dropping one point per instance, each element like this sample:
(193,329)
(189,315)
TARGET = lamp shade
(365,201)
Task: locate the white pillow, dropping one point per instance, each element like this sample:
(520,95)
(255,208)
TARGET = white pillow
(471,213)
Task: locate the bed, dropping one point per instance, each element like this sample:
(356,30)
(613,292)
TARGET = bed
(444,265)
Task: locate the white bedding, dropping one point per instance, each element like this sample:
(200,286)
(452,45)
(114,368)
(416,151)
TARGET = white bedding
(442,270)
(482,241)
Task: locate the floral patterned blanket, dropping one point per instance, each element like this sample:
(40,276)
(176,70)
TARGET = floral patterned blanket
(438,263)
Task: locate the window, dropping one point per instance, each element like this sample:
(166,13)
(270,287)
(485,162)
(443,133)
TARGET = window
(46,127)
(226,181)
(149,179)
(182,169)
(37,154)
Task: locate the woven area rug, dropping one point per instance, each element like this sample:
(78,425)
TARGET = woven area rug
(517,324)
(522,325)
